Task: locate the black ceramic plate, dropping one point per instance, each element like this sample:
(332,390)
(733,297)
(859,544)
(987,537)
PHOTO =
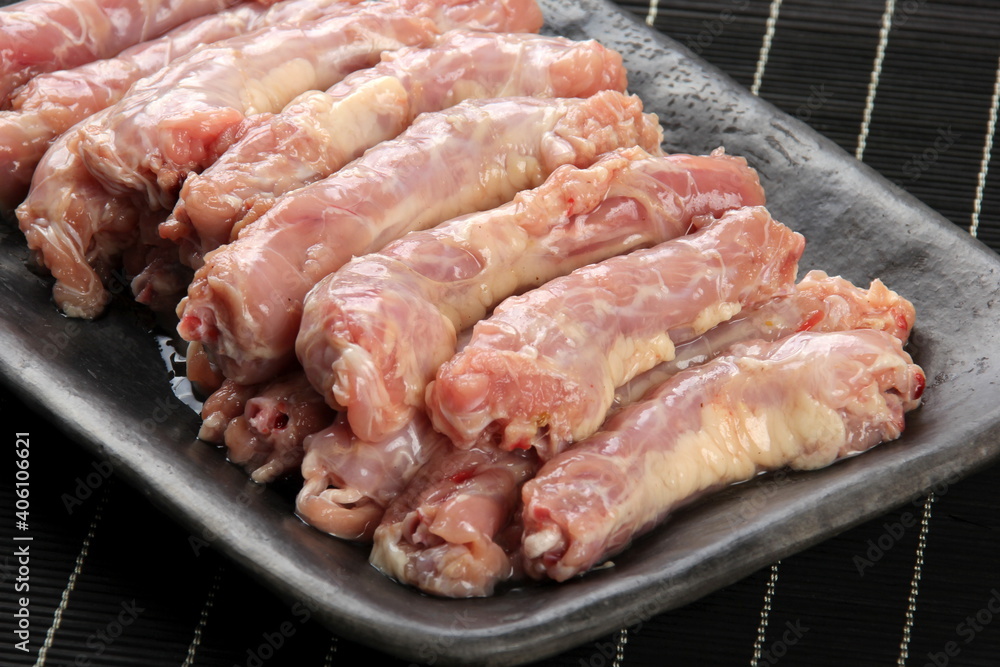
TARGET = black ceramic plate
(105,384)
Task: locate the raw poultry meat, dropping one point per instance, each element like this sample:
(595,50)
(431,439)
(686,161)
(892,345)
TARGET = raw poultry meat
(182,118)
(47,35)
(24,138)
(542,370)
(819,303)
(223,406)
(266,438)
(158,279)
(349,482)
(245,303)
(802,402)
(78,230)
(374,333)
(319,132)
(457,528)
(447,533)
(52,103)
(96,224)
(93,242)
(201,373)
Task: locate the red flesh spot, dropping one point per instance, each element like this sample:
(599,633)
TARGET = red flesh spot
(462,475)
(812,320)
(901,320)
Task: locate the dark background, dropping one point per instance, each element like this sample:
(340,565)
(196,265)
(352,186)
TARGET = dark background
(116,582)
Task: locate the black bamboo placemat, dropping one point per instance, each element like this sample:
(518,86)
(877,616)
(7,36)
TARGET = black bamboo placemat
(909,86)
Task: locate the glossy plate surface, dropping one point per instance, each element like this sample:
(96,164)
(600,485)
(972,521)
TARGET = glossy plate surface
(104,382)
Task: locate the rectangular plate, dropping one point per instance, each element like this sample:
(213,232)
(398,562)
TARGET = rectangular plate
(105,384)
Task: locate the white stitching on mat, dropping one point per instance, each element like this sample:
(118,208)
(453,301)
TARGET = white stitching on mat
(765,47)
(918,566)
(203,617)
(328,661)
(620,643)
(883,40)
(984,165)
(77,568)
(654,6)
(765,614)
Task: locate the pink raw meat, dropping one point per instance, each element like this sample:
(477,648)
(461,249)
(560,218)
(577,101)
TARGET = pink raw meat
(52,103)
(47,35)
(245,303)
(374,333)
(319,132)
(266,438)
(78,230)
(542,370)
(819,303)
(224,405)
(802,402)
(349,482)
(446,533)
(181,119)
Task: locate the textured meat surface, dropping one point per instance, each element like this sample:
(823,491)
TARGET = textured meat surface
(177,120)
(374,333)
(802,402)
(267,437)
(319,132)
(542,370)
(224,405)
(441,533)
(24,138)
(47,35)
(349,482)
(245,303)
(158,278)
(77,230)
(93,242)
(181,119)
(819,303)
(52,103)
